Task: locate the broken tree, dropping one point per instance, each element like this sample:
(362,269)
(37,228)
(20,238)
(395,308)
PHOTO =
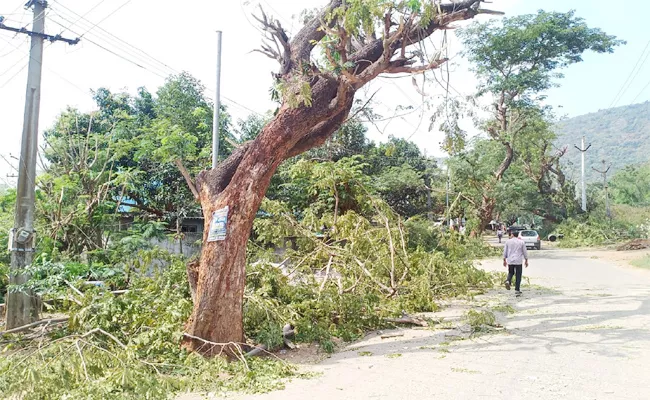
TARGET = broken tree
(358,40)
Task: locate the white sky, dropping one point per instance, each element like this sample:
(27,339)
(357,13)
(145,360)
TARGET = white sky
(182,37)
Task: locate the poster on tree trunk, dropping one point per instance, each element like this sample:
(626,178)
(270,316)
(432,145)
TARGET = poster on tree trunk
(218,225)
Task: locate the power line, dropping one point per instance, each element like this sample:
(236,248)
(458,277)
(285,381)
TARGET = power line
(14,75)
(140,65)
(143,62)
(106,17)
(116,39)
(146,62)
(142,59)
(84,14)
(641,92)
(49,69)
(631,76)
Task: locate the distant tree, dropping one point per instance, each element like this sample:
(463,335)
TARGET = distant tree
(631,186)
(516,60)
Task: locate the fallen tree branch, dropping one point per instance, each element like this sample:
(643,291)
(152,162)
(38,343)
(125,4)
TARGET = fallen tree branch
(257,350)
(222,346)
(77,291)
(327,274)
(34,324)
(93,331)
(392,335)
(408,320)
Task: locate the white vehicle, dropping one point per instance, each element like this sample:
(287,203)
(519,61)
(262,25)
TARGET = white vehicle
(531,238)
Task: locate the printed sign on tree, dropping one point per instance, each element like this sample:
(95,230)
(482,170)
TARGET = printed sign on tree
(218,225)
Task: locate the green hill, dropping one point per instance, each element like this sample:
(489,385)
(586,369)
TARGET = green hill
(620,136)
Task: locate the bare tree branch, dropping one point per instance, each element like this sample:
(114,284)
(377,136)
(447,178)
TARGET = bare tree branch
(187,177)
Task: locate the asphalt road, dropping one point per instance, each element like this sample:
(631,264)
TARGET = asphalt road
(587,337)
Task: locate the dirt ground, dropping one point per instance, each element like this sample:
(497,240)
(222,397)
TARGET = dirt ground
(581,330)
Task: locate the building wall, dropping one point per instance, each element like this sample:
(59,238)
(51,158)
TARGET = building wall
(191,244)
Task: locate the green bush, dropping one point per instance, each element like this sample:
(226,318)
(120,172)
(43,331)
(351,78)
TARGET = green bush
(4,281)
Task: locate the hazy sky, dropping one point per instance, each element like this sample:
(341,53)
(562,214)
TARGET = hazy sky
(180,37)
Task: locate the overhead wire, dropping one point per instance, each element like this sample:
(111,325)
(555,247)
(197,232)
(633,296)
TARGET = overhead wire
(84,14)
(138,63)
(114,39)
(21,69)
(49,69)
(106,17)
(632,75)
(640,93)
(142,59)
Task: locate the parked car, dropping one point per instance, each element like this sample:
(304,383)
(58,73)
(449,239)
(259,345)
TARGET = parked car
(515,229)
(531,238)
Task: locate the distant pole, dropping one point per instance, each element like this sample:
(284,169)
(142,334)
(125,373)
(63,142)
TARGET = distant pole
(584,189)
(217,100)
(23,305)
(448,187)
(604,174)
(583,150)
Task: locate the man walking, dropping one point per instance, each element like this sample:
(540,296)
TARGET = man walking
(514,255)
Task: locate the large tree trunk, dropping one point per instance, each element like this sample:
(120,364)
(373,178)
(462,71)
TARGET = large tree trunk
(217,316)
(485,212)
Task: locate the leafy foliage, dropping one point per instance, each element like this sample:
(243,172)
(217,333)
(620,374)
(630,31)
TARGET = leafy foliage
(522,54)
(128,346)
(516,60)
(595,230)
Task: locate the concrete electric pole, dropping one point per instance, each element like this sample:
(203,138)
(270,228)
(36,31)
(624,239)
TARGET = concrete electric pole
(604,174)
(217,105)
(583,150)
(22,305)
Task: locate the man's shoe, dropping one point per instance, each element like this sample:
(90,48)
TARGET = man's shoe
(518,292)
(507,285)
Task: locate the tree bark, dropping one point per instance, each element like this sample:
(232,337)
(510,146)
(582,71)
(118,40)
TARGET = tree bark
(488,204)
(218,305)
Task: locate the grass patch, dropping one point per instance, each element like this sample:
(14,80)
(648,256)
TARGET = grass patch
(504,308)
(465,370)
(365,353)
(481,321)
(599,327)
(394,355)
(643,262)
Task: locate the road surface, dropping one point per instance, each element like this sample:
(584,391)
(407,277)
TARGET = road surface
(587,338)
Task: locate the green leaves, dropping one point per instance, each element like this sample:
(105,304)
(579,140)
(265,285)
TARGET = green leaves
(522,55)
(295,91)
(135,355)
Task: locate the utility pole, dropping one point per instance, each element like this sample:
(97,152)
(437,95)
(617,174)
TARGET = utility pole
(448,187)
(217,101)
(583,150)
(604,174)
(22,305)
